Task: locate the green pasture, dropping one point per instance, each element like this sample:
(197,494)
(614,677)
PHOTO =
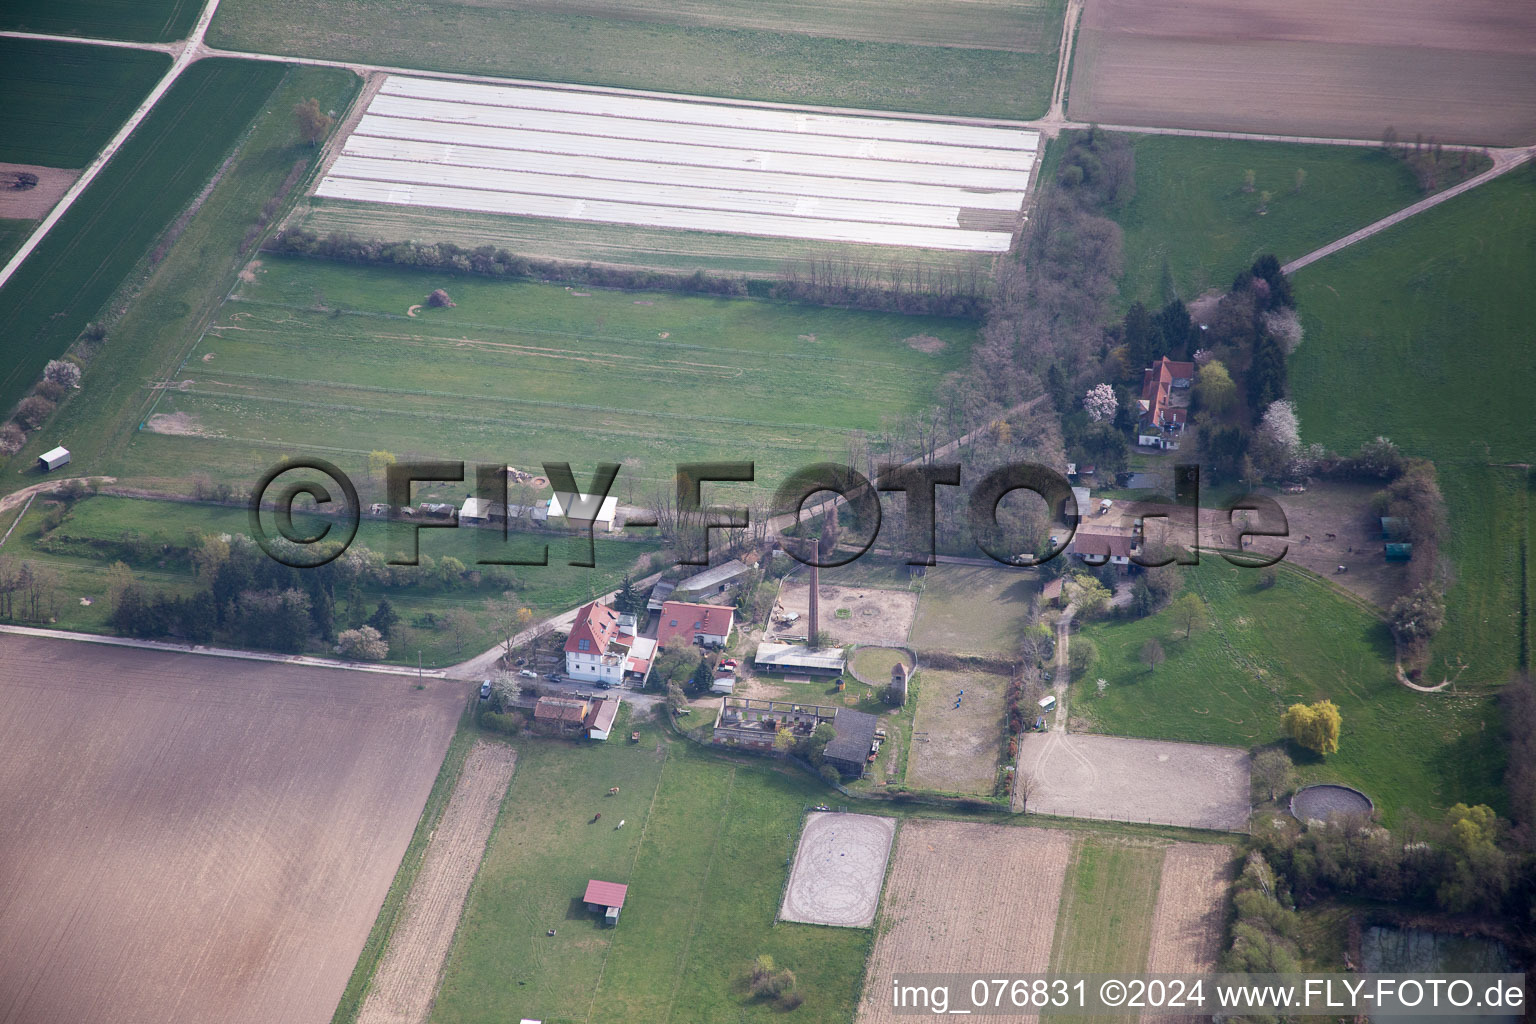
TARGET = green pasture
(93,248)
(149,337)
(63,101)
(148,21)
(1422,333)
(997,61)
(704,851)
(1190,212)
(316,357)
(1297,641)
(968,609)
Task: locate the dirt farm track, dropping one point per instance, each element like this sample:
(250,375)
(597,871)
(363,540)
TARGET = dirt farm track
(194,839)
(1456,72)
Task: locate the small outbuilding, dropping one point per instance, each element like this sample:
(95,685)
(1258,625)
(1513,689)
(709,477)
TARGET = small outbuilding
(850,749)
(606,898)
(53,459)
(1398,552)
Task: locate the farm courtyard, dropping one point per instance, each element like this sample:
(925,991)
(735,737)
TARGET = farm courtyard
(196,838)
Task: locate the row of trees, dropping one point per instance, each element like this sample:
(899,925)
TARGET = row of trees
(60,377)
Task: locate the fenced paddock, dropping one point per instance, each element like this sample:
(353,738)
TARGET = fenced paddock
(839,869)
(686,165)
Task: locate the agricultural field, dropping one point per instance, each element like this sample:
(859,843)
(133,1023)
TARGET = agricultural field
(1108,903)
(175,298)
(1442,297)
(65,100)
(1191,215)
(152,537)
(1455,73)
(1074,903)
(151,179)
(704,851)
(1190,919)
(567,154)
(998,61)
(1229,683)
(147,21)
(966,609)
(621,245)
(944,912)
(958,750)
(221,833)
(521,374)
(13,232)
(407,975)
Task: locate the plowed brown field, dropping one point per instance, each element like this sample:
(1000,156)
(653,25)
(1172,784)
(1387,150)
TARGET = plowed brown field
(407,978)
(1458,72)
(192,838)
(1191,903)
(966,898)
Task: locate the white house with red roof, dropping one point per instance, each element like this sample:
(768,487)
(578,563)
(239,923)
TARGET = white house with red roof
(682,623)
(598,651)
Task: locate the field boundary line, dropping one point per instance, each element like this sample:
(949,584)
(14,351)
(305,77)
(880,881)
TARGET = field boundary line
(20,516)
(305,660)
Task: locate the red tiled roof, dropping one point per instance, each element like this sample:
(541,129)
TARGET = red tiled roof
(605,894)
(692,619)
(1052,590)
(560,709)
(596,624)
(1156,385)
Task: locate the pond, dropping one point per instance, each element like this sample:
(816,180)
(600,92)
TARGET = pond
(1389,950)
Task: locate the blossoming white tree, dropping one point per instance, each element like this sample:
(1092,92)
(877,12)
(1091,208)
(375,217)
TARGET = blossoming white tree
(1100,402)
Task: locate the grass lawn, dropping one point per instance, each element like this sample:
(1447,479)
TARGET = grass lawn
(1422,334)
(92,249)
(970,610)
(876,663)
(174,301)
(1191,213)
(1108,898)
(704,851)
(1298,641)
(997,61)
(63,101)
(88,542)
(313,356)
(660,249)
(148,21)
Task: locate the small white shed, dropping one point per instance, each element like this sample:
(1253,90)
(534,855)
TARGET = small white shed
(51,460)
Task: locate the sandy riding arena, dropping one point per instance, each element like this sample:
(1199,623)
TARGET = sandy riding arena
(407,977)
(1457,72)
(839,867)
(195,838)
(966,898)
(873,616)
(1120,779)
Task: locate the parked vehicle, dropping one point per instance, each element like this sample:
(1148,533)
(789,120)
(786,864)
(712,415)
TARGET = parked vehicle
(485,690)
(528,673)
